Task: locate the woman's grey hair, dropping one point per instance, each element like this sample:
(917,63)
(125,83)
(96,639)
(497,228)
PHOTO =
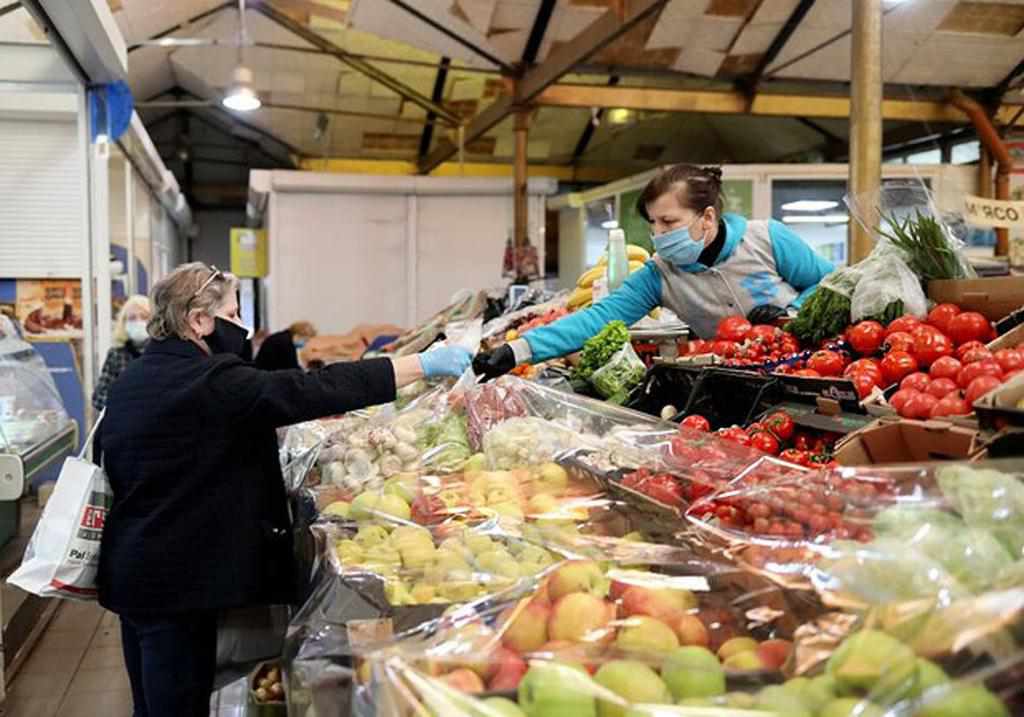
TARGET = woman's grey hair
(183,291)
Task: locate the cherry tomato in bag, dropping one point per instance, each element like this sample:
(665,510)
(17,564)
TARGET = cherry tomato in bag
(696,422)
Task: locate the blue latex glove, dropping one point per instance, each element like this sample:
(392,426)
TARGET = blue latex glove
(445,361)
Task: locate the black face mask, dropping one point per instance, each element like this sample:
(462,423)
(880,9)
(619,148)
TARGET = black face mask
(227,338)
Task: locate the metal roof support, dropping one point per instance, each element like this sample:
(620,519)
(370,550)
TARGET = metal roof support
(588,131)
(606,29)
(750,82)
(437,95)
(11,7)
(537,32)
(451,34)
(356,64)
(182,25)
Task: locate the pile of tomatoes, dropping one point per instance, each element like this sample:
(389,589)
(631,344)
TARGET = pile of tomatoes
(775,501)
(666,488)
(776,435)
(743,344)
(941,363)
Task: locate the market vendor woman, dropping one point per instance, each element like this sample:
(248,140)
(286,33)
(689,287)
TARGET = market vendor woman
(199,521)
(708,265)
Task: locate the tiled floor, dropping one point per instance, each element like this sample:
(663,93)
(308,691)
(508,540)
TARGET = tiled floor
(76,670)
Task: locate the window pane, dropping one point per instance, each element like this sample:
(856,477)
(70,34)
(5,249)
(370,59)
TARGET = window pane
(815,212)
(966,152)
(929,156)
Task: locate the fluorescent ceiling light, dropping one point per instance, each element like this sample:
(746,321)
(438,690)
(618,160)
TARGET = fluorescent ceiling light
(241,96)
(610,224)
(620,115)
(816,219)
(809,205)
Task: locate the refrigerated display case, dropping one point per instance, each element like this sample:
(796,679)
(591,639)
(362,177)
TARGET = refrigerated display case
(34,425)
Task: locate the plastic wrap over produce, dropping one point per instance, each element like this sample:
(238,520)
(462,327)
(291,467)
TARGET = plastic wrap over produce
(590,638)
(596,638)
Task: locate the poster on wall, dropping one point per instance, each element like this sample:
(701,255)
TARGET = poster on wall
(248,252)
(50,308)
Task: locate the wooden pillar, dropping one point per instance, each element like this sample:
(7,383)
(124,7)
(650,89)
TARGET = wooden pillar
(865,118)
(985,187)
(521,222)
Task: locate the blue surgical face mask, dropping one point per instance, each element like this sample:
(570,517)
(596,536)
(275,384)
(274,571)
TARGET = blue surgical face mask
(299,343)
(678,247)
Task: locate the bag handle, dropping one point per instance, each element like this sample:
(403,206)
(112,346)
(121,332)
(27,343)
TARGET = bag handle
(92,434)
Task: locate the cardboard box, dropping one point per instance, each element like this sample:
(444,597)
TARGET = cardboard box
(998,409)
(1009,340)
(903,441)
(994,297)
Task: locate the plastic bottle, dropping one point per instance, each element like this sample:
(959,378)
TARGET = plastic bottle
(618,264)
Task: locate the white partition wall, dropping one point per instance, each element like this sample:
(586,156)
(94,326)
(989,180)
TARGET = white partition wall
(351,249)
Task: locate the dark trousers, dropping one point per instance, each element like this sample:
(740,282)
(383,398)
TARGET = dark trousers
(171,663)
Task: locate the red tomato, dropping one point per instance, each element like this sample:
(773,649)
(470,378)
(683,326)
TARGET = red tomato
(941,387)
(906,324)
(964,348)
(826,363)
(766,443)
(930,345)
(802,442)
(698,346)
(901,397)
(807,373)
(898,341)
(917,381)
(968,373)
(789,344)
(781,424)
(945,367)
(725,349)
(919,405)
(765,333)
(868,365)
(735,434)
(866,337)
(733,328)
(941,315)
(664,489)
(896,365)
(969,326)
(864,383)
(697,423)
(791,455)
(979,387)
(975,355)
(1009,359)
(951,405)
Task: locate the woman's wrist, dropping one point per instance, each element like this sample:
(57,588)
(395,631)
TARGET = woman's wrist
(408,369)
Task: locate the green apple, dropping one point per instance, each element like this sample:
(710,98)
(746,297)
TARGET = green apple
(423,593)
(929,675)
(350,551)
(693,671)
(500,707)
(508,509)
(781,701)
(634,682)
(371,535)
(498,562)
(477,543)
(645,634)
(475,463)
(553,689)
(403,485)
(975,701)
(853,707)
(872,660)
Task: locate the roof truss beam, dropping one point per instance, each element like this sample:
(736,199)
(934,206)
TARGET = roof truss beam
(183,25)
(733,102)
(606,29)
(749,83)
(359,65)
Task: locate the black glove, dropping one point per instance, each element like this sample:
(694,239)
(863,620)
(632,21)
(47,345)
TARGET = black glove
(766,314)
(495,363)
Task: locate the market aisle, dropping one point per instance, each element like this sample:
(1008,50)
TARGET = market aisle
(77,670)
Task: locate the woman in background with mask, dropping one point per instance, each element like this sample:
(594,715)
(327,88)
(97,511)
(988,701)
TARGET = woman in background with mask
(281,350)
(199,521)
(708,265)
(129,339)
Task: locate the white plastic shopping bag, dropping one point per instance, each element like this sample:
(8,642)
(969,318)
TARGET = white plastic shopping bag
(64,553)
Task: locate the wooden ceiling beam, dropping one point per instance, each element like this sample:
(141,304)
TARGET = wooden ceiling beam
(606,29)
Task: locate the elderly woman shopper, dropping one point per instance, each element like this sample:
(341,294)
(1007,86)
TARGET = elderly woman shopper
(199,521)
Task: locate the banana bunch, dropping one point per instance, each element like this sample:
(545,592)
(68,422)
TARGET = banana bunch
(583,295)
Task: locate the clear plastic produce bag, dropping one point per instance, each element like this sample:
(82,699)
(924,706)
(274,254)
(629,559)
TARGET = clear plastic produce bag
(617,378)
(887,288)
